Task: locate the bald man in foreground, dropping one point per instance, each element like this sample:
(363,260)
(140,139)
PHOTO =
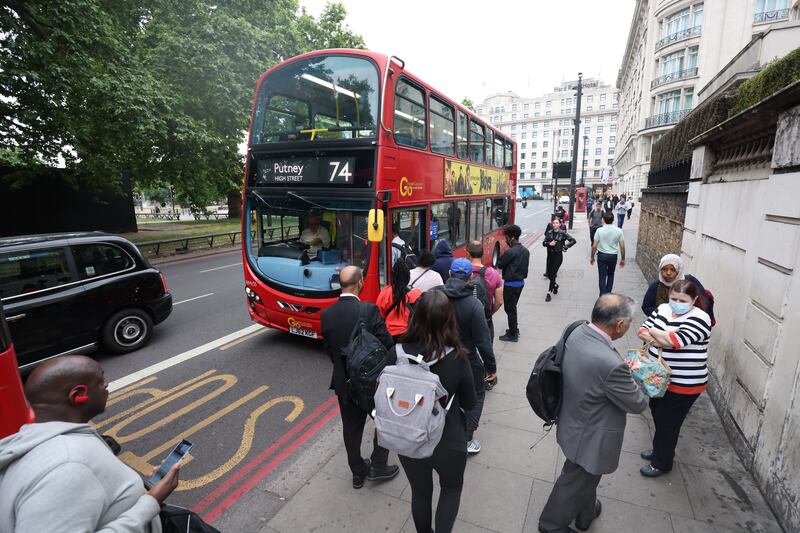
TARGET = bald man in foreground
(59,475)
(338,322)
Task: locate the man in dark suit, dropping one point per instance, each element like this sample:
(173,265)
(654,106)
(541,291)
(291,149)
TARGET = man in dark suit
(338,322)
(598,392)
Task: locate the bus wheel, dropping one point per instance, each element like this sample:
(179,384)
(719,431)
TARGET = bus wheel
(496,255)
(127,331)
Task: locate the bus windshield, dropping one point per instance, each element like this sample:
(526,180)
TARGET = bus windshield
(301,247)
(329,97)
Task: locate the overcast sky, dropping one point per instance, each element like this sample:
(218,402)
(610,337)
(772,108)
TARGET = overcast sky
(471,48)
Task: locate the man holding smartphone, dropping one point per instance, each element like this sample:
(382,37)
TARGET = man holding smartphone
(58,474)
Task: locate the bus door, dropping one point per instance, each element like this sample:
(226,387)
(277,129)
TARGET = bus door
(412,225)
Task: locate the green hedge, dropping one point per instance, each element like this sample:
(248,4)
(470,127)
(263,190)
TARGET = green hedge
(773,78)
(674,147)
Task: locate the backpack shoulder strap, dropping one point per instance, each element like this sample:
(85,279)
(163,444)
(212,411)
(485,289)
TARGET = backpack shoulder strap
(411,285)
(399,247)
(482,273)
(561,346)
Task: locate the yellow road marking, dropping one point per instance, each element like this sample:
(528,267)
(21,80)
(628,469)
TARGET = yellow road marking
(246,443)
(245,338)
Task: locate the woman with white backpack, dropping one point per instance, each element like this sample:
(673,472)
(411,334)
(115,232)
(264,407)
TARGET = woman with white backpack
(432,333)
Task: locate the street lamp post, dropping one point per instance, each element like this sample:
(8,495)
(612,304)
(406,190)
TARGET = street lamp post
(583,159)
(577,133)
(553,151)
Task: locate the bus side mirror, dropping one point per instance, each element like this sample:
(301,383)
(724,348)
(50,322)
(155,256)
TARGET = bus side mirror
(375,220)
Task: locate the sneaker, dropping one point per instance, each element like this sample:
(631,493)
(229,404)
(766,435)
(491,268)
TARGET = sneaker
(548,297)
(509,338)
(598,508)
(383,472)
(544,275)
(489,385)
(358,479)
(473,447)
(651,471)
(555,289)
(648,455)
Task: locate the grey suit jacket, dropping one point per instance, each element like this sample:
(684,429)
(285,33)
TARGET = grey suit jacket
(598,392)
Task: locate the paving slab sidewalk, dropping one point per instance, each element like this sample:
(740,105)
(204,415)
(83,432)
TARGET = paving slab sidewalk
(508,482)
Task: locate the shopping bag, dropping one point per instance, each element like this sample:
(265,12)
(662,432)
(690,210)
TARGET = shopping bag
(653,375)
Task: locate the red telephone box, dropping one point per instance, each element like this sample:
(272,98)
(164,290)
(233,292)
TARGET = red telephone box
(580,199)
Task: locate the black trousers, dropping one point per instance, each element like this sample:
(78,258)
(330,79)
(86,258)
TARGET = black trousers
(554,260)
(573,497)
(450,465)
(592,231)
(668,412)
(353,420)
(510,299)
(474,414)
(606,266)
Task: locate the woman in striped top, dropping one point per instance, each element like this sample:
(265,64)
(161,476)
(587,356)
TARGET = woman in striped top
(682,329)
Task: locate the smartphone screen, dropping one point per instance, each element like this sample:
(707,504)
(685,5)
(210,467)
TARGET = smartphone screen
(177,453)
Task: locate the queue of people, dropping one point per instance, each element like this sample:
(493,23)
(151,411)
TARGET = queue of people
(442,321)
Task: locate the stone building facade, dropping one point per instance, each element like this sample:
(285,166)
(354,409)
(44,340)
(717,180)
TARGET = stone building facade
(742,239)
(660,226)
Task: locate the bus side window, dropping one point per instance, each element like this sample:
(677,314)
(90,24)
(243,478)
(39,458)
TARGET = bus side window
(476,219)
(409,116)
(463,135)
(488,146)
(509,164)
(476,134)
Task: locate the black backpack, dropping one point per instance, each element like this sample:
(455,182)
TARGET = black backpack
(176,519)
(480,291)
(365,358)
(544,390)
(407,255)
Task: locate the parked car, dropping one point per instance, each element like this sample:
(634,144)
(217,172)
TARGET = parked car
(14,407)
(71,292)
(564,199)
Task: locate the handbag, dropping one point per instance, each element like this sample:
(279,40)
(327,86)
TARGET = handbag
(653,375)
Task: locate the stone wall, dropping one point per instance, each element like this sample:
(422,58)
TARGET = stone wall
(660,226)
(742,239)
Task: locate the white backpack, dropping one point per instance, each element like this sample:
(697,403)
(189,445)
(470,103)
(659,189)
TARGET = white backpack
(409,417)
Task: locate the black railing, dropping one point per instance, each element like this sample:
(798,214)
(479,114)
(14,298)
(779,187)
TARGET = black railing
(665,119)
(673,76)
(678,36)
(671,174)
(767,16)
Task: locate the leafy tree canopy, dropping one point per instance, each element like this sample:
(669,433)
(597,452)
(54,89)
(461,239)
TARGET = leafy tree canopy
(468,103)
(156,89)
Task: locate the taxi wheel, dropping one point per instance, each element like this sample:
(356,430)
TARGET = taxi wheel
(127,330)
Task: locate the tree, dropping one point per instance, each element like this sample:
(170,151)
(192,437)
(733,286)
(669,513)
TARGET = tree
(156,89)
(467,102)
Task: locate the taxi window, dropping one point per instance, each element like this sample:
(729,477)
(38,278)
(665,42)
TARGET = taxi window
(33,270)
(95,260)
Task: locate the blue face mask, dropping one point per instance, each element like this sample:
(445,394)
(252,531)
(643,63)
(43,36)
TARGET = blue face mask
(679,308)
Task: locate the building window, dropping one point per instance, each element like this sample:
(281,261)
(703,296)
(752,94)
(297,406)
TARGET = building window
(523,146)
(585,152)
(513,116)
(545,144)
(536,105)
(535,125)
(599,129)
(513,127)
(614,118)
(669,102)
(524,115)
(587,120)
(596,173)
(602,107)
(524,126)
(598,140)
(533,165)
(524,135)
(676,22)
(613,128)
(611,150)
(611,161)
(525,107)
(598,151)
(688,98)
(533,145)
(587,130)
(612,139)
(544,175)
(548,103)
(522,166)
(589,108)
(513,107)
(601,118)
(590,98)
(547,113)
(522,155)
(544,163)
(603,97)
(564,153)
(534,135)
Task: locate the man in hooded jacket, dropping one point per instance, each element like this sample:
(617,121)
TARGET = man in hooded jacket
(444,256)
(59,475)
(473,330)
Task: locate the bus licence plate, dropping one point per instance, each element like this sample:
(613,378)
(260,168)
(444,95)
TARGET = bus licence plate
(303,332)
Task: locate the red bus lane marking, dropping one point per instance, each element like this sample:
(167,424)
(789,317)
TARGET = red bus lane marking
(530,240)
(226,485)
(233,497)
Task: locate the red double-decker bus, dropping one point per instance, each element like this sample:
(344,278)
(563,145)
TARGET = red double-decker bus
(344,147)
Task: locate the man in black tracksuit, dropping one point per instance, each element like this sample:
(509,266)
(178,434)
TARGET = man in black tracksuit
(514,264)
(473,330)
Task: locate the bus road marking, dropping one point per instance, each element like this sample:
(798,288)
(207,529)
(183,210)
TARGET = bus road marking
(242,339)
(123,382)
(537,212)
(192,299)
(219,268)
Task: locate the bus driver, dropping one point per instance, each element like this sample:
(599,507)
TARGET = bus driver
(316,236)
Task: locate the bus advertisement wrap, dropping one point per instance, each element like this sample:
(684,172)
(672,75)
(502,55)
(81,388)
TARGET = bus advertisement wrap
(464,179)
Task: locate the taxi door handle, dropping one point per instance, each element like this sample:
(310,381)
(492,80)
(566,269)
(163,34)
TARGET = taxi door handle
(15,317)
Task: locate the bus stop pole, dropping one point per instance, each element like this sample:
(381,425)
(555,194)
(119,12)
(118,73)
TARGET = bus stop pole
(576,146)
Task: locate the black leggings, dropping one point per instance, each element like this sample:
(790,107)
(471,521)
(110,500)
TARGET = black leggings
(450,465)
(554,260)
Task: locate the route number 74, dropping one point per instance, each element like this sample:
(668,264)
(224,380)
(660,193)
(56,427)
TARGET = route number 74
(343,172)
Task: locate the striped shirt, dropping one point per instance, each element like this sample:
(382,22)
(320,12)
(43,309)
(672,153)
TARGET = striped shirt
(688,355)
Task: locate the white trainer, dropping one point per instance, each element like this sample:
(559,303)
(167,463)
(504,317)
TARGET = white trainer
(473,446)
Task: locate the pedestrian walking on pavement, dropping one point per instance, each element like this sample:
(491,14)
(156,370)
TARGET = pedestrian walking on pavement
(474,334)
(395,300)
(621,209)
(608,245)
(595,220)
(557,241)
(682,329)
(598,392)
(433,333)
(514,265)
(337,324)
(630,208)
(589,206)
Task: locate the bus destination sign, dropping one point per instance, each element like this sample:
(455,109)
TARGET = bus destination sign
(308,170)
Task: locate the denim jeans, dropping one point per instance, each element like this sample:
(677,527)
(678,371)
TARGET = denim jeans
(606,265)
(620,219)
